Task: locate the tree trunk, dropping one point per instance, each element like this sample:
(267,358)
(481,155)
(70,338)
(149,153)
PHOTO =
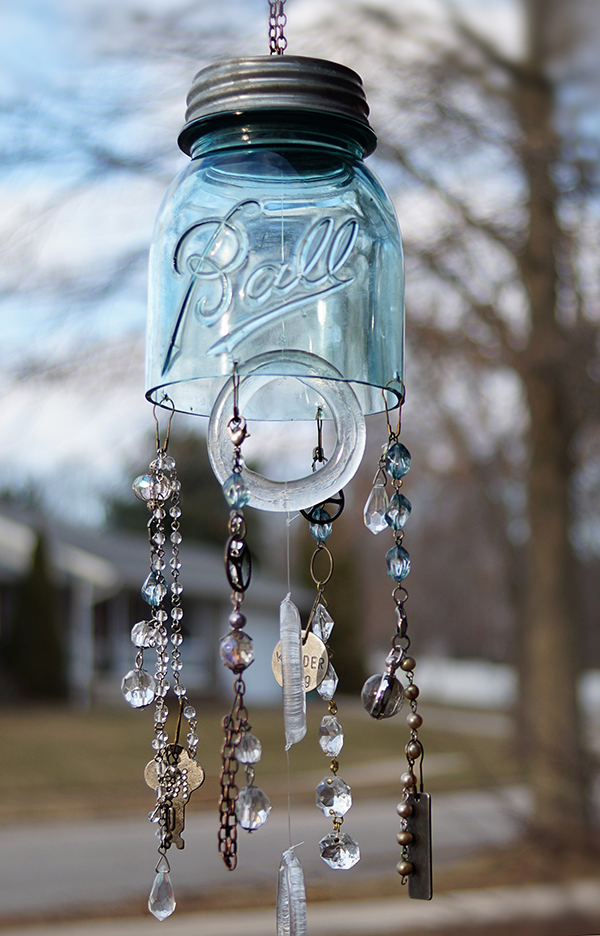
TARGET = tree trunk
(555,754)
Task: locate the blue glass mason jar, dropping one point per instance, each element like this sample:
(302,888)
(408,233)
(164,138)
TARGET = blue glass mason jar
(276,251)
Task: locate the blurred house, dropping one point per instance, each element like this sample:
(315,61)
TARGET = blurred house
(99,575)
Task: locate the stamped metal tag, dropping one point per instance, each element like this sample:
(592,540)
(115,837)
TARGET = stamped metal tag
(420,883)
(315,661)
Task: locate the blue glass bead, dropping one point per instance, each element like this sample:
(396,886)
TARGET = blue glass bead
(235,491)
(321,531)
(154,589)
(398,563)
(397,460)
(398,511)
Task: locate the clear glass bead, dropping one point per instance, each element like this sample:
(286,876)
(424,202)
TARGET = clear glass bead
(331,736)
(398,512)
(382,696)
(161,902)
(237,651)
(175,512)
(175,484)
(157,563)
(334,797)
(180,690)
(148,487)
(177,613)
(329,684)
(162,689)
(143,634)
(252,808)
(248,750)
(154,589)
(161,616)
(375,508)
(322,623)
(339,851)
(192,738)
(189,712)
(177,639)
(138,687)
(397,460)
(177,588)
(160,715)
(321,531)
(159,538)
(157,744)
(398,563)
(175,563)
(176,666)
(158,513)
(235,491)
(176,537)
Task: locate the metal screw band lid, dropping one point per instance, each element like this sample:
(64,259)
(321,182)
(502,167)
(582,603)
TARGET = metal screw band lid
(290,83)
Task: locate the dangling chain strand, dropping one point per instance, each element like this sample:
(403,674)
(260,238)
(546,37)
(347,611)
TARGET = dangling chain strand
(277,24)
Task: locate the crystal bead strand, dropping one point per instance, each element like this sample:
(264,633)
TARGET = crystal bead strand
(250,806)
(383,695)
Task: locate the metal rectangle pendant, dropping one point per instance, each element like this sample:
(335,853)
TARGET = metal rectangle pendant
(420,882)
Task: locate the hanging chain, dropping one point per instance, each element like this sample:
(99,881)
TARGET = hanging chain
(277,23)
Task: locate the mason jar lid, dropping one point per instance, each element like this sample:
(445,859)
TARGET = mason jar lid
(283,83)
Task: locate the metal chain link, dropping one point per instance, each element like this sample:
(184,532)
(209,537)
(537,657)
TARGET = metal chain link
(277,23)
(232,725)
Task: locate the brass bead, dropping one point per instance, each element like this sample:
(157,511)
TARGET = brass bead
(404,838)
(414,720)
(404,868)
(411,692)
(408,664)
(413,749)
(404,810)
(407,779)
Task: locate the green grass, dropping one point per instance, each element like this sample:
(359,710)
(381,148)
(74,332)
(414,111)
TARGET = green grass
(55,762)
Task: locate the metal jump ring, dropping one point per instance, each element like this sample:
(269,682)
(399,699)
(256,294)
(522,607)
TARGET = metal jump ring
(320,582)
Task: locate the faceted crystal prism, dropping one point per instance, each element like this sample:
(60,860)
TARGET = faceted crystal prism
(334,797)
(398,563)
(375,508)
(329,684)
(154,589)
(398,512)
(143,634)
(382,696)
(248,750)
(235,491)
(138,688)
(321,531)
(339,851)
(331,736)
(161,901)
(237,651)
(322,623)
(252,808)
(397,460)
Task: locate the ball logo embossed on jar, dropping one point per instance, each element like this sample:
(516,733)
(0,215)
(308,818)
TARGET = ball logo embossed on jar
(214,256)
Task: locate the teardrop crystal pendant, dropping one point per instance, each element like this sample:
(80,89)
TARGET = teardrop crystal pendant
(334,797)
(398,563)
(235,491)
(154,589)
(339,851)
(382,696)
(252,808)
(248,750)
(138,688)
(397,460)
(329,684)
(398,512)
(375,508)
(322,622)
(331,736)
(161,901)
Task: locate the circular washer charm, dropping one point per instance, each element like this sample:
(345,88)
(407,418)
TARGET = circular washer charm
(315,660)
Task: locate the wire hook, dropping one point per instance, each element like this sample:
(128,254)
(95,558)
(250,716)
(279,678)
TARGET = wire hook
(165,399)
(391,432)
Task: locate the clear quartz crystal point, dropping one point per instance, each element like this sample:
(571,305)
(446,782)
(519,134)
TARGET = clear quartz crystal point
(292,673)
(329,684)
(398,512)
(161,901)
(237,650)
(334,797)
(291,896)
(322,622)
(382,696)
(375,508)
(143,634)
(249,749)
(252,808)
(138,688)
(331,736)
(339,851)
(154,589)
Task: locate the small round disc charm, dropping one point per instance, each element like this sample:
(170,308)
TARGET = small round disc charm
(315,661)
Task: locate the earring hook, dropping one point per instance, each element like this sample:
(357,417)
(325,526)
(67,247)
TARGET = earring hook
(165,399)
(391,432)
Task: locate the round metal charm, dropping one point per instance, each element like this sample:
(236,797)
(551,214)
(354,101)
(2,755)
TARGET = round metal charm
(315,660)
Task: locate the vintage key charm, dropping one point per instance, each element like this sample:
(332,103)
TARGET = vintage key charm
(182,775)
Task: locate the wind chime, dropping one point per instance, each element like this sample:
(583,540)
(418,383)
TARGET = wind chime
(276,293)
